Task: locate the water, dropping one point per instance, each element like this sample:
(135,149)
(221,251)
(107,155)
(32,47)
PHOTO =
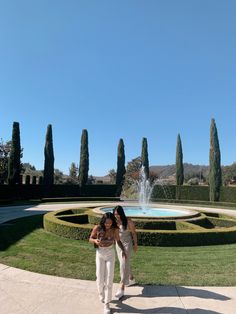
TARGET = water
(136,211)
(144,190)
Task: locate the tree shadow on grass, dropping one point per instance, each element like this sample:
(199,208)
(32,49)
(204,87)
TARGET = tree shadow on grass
(14,230)
(150,291)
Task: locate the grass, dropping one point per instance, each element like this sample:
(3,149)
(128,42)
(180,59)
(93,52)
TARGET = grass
(25,244)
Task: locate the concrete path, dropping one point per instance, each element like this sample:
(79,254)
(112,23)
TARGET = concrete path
(23,292)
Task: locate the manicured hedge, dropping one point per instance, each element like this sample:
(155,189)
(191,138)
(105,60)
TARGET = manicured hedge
(79,226)
(164,192)
(228,194)
(32,191)
(192,193)
(187,238)
(78,231)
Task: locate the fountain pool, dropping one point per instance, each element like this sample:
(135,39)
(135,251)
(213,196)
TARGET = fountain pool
(153,212)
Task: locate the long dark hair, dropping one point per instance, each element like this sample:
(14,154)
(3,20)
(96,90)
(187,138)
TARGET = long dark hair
(108,215)
(120,211)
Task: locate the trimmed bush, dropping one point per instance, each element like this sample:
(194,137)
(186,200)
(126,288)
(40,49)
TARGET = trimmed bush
(78,223)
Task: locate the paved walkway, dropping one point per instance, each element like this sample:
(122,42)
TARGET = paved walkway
(23,292)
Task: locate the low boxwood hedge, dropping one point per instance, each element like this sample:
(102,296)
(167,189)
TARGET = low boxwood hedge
(206,230)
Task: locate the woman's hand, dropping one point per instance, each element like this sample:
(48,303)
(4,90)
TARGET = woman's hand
(97,242)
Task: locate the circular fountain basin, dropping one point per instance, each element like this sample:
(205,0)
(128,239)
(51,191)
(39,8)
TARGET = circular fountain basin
(153,212)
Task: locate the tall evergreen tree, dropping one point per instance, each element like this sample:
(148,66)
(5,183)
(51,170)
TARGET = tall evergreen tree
(179,162)
(215,177)
(120,173)
(14,163)
(84,159)
(48,174)
(144,157)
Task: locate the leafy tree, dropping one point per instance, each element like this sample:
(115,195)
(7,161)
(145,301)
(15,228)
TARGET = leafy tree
(120,173)
(73,174)
(84,159)
(152,176)
(5,149)
(179,162)
(91,180)
(144,157)
(14,163)
(193,181)
(59,177)
(73,171)
(131,177)
(192,175)
(112,176)
(229,174)
(215,177)
(48,158)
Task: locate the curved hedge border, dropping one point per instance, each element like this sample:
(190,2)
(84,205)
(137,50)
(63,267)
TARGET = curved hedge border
(78,223)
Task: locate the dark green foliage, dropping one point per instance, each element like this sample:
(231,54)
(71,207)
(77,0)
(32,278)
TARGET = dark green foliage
(192,192)
(163,192)
(14,163)
(144,157)
(120,173)
(5,149)
(179,162)
(228,194)
(63,224)
(48,158)
(215,179)
(68,229)
(84,159)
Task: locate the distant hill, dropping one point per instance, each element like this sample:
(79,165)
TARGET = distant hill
(189,169)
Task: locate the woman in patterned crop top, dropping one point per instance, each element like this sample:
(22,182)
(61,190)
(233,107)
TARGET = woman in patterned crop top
(104,236)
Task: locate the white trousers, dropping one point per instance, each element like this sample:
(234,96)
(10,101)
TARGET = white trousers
(125,269)
(105,263)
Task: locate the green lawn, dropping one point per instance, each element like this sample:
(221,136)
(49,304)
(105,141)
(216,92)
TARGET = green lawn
(24,244)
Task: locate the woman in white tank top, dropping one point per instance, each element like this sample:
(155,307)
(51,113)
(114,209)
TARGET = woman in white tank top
(128,238)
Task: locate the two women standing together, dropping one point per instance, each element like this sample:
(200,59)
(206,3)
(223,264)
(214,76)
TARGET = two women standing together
(113,228)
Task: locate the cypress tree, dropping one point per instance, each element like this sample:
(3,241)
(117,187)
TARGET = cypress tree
(84,159)
(179,162)
(48,174)
(14,163)
(215,178)
(144,157)
(120,172)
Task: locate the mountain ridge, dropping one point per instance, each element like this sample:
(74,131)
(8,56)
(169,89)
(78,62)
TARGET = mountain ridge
(164,171)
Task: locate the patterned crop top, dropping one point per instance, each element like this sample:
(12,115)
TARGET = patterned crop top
(107,238)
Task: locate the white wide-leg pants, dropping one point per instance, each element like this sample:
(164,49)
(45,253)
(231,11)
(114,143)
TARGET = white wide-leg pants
(105,263)
(125,269)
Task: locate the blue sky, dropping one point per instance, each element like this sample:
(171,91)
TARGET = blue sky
(120,69)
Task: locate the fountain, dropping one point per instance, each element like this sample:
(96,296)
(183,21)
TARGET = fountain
(144,190)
